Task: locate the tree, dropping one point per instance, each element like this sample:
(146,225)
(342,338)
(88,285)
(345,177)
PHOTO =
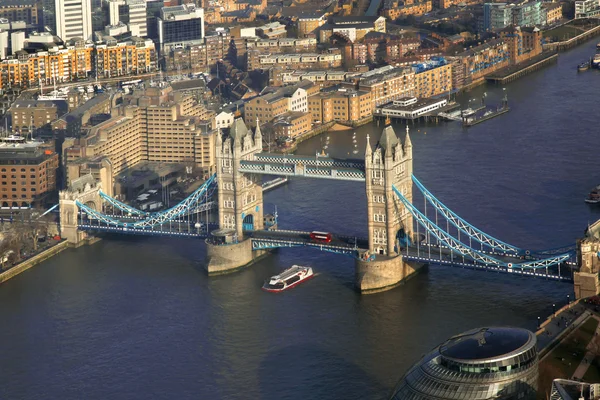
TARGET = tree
(31,225)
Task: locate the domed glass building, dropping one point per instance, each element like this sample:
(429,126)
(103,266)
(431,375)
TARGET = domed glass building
(485,363)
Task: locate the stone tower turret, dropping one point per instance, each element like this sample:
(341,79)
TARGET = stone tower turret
(240,194)
(388,164)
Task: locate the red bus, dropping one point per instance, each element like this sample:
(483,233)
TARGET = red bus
(320,236)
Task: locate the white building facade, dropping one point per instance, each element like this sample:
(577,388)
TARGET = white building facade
(73,19)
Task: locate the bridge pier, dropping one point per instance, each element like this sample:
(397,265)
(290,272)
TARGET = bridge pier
(383,273)
(226,258)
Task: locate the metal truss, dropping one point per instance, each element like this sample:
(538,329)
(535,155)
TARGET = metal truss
(467,251)
(443,236)
(159,218)
(265,243)
(269,158)
(121,206)
(134,211)
(459,223)
(144,232)
(308,171)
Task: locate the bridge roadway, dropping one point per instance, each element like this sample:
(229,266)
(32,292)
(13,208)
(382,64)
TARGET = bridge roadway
(288,238)
(434,254)
(343,244)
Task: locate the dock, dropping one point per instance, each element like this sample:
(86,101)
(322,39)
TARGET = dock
(509,74)
(272,184)
(471,122)
(413,109)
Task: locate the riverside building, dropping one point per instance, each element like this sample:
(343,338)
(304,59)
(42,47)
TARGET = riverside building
(27,172)
(497,363)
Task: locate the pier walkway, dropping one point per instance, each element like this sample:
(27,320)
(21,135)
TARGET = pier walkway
(509,74)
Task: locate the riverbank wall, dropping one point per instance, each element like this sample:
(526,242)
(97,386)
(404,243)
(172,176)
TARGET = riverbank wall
(577,40)
(38,258)
(328,127)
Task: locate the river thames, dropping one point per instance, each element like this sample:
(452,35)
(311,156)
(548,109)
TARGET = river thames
(131,318)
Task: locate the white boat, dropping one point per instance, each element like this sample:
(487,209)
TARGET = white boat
(467,112)
(594,196)
(596,61)
(54,95)
(288,279)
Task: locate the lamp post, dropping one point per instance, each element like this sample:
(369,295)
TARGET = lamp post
(553,308)
(568,299)
(539,322)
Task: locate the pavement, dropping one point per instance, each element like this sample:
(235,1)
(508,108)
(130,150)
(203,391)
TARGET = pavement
(561,322)
(587,358)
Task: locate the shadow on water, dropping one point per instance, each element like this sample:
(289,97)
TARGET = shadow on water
(325,372)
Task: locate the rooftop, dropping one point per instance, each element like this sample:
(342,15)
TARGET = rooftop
(20,3)
(486,343)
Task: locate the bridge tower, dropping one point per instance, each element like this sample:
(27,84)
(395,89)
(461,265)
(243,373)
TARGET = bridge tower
(586,282)
(240,194)
(388,164)
(84,190)
(390,225)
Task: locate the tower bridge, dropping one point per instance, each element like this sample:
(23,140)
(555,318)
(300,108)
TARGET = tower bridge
(400,237)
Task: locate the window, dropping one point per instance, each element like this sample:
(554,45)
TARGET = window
(379,217)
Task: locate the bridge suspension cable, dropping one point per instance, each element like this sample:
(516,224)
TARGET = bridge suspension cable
(459,247)
(134,211)
(465,227)
(187,205)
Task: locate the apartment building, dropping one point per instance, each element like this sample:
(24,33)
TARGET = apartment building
(355,28)
(78,60)
(322,78)
(272,30)
(433,78)
(402,8)
(28,172)
(586,8)
(342,105)
(133,13)
(134,56)
(28,11)
(481,60)
(523,42)
(521,13)
(200,56)
(158,126)
(553,12)
(292,124)
(274,102)
(28,115)
(332,59)
(388,83)
(308,23)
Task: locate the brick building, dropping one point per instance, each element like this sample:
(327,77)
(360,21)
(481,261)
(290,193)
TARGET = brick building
(28,172)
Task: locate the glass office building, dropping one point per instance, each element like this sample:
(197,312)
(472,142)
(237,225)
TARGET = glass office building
(180,25)
(486,363)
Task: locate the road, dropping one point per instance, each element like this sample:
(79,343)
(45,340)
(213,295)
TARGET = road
(342,241)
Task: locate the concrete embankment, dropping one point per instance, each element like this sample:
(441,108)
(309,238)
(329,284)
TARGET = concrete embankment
(550,335)
(38,258)
(577,40)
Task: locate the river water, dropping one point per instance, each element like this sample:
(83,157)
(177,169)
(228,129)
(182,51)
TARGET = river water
(133,318)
